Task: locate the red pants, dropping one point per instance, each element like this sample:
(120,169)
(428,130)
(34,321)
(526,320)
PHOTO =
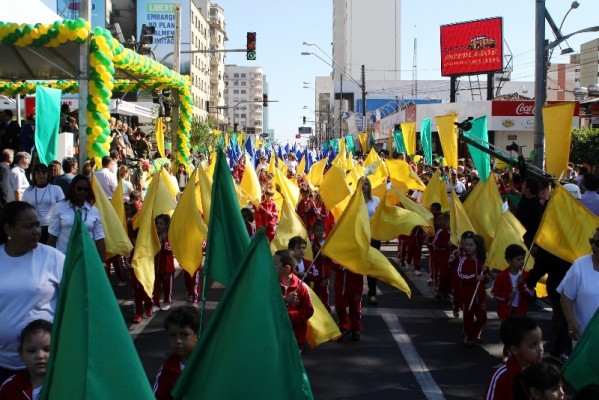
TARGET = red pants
(164,283)
(193,285)
(443,281)
(141,299)
(432,267)
(270,233)
(321,288)
(474,319)
(409,249)
(353,321)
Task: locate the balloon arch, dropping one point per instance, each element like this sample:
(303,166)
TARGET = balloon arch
(106,55)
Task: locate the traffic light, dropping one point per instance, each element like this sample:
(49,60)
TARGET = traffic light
(251,46)
(304,118)
(146,39)
(265,100)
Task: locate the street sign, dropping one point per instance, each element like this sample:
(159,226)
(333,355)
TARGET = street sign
(298,136)
(305,130)
(250,131)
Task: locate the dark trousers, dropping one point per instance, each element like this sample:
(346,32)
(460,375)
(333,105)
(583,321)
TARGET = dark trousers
(561,343)
(372,281)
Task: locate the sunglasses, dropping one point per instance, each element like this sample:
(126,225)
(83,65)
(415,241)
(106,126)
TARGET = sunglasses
(594,242)
(82,189)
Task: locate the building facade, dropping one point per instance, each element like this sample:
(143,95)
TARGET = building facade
(589,63)
(218,37)
(244,87)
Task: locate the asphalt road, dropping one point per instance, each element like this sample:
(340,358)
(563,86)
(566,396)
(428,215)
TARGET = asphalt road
(409,348)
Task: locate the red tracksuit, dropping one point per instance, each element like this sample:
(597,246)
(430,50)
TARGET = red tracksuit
(305,210)
(440,254)
(502,288)
(348,294)
(468,269)
(411,247)
(164,264)
(268,214)
(17,387)
(321,212)
(300,311)
(454,261)
(500,385)
(167,377)
(322,265)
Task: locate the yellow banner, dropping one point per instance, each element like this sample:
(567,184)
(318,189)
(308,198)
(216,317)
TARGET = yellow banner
(557,121)
(449,138)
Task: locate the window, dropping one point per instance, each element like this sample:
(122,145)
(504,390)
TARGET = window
(243,83)
(235,75)
(243,91)
(244,75)
(236,83)
(236,91)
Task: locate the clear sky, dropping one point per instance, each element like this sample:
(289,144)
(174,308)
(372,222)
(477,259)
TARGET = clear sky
(282,26)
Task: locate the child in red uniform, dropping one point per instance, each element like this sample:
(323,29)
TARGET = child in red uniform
(248,219)
(348,294)
(322,264)
(524,339)
(440,254)
(297,245)
(182,325)
(305,209)
(268,214)
(296,295)
(321,212)
(164,265)
(34,350)
(454,261)
(432,269)
(473,274)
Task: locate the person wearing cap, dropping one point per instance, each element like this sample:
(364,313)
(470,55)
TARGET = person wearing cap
(43,196)
(69,169)
(573,189)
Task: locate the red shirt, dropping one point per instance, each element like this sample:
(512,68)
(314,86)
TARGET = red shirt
(468,269)
(268,214)
(502,288)
(301,311)
(164,261)
(501,383)
(167,377)
(17,387)
(322,264)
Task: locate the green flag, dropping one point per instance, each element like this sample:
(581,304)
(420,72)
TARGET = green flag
(47,121)
(399,142)
(248,351)
(227,237)
(479,133)
(425,138)
(92,355)
(349,144)
(581,368)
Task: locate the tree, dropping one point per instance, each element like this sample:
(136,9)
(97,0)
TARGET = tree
(201,134)
(584,147)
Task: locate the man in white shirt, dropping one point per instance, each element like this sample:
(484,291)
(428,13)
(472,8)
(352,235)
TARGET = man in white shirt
(106,178)
(18,176)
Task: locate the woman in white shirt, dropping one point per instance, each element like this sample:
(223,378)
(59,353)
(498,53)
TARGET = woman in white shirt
(372,203)
(80,197)
(43,196)
(127,185)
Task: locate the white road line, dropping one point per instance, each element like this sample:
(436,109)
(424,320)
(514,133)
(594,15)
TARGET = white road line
(431,390)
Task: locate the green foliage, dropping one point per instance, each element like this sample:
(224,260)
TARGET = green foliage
(201,135)
(585,146)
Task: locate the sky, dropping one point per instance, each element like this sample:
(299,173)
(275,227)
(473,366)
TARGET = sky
(282,27)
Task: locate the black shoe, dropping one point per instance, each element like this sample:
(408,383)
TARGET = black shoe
(355,335)
(372,301)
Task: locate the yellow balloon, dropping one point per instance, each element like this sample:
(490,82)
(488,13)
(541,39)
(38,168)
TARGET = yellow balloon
(106,147)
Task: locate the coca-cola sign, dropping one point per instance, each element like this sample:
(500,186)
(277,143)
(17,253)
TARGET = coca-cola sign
(520,108)
(525,109)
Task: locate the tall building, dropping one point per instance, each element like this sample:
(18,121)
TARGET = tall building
(562,79)
(218,37)
(589,63)
(244,87)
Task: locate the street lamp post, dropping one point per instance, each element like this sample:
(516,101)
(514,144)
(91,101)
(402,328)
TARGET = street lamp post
(542,47)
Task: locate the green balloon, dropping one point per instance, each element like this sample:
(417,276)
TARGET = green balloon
(97,31)
(80,23)
(98,149)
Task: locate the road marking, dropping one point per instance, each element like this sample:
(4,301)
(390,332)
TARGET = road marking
(431,390)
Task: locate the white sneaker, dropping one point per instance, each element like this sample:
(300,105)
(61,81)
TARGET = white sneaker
(155,309)
(165,307)
(417,273)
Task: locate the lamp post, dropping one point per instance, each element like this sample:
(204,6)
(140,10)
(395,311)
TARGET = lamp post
(318,109)
(542,47)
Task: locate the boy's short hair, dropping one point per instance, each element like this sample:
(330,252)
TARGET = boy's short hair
(286,257)
(294,241)
(513,251)
(436,206)
(514,329)
(185,317)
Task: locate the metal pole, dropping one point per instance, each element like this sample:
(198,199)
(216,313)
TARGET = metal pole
(540,82)
(175,91)
(363,87)
(82,74)
(340,101)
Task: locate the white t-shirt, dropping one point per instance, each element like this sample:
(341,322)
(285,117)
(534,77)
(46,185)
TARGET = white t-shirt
(514,281)
(43,199)
(372,205)
(127,189)
(19,179)
(63,217)
(107,180)
(28,291)
(581,285)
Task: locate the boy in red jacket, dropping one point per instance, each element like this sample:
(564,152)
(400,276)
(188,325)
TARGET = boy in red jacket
(182,325)
(441,253)
(268,214)
(322,264)
(524,339)
(295,294)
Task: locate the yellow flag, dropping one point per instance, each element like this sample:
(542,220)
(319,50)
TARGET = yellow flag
(288,189)
(321,326)
(301,167)
(340,207)
(340,159)
(509,231)
(204,190)
(159,127)
(172,187)
(272,163)
(187,229)
(388,222)
(349,245)
(333,188)
(117,240)
(436,192)
(449,138)
(485,209)
(408,130)
(557,120)
(352,179)
(250,184)
(118,205)
(290,225)
(363,138)
(566,226)
(400,171)
(316,172)
(419,209)
(281,166)
(459,221)
(210,170)
(158,201)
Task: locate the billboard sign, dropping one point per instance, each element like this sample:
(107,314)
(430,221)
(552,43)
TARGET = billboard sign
(304,130)
(69,9)
(469,48)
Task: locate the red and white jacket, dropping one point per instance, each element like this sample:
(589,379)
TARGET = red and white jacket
(468,269)
(301,311)
(167,377)
(17,387)
(502,288)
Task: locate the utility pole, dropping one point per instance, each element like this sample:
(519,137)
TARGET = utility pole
(363,87)
(85,12)
(175,92)
(340,101)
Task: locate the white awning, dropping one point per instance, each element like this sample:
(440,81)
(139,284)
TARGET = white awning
(118,106)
